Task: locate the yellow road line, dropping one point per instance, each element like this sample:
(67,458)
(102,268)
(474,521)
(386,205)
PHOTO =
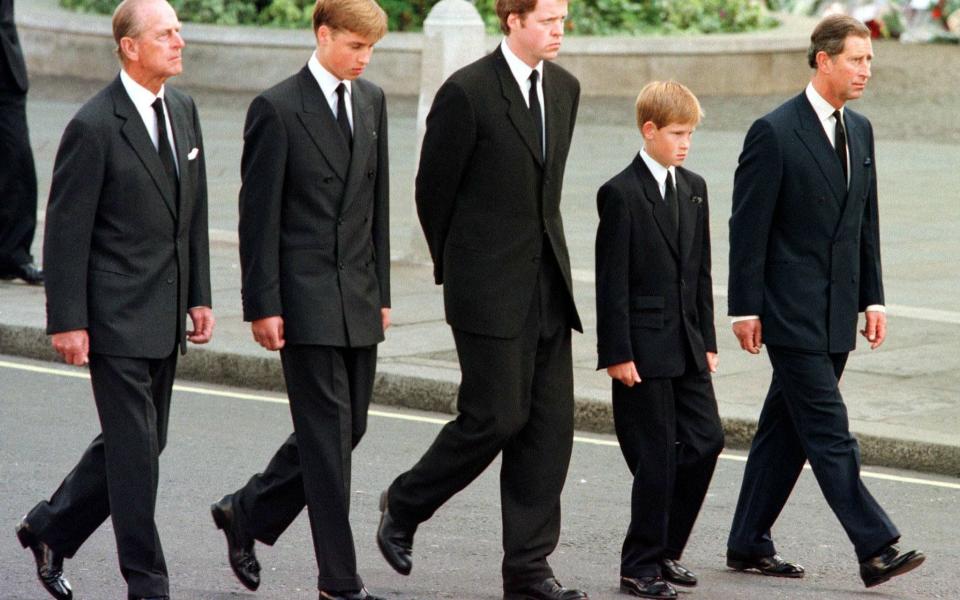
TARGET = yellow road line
(279,399)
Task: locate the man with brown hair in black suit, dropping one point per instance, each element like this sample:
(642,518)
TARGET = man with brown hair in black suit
(315,260)
(488,198)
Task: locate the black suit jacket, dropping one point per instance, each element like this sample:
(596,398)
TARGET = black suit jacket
(485,196)
(653,294)
(121,258)
(314,219)
(13,70)
(805,250)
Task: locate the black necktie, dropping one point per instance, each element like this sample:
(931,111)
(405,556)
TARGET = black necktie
(840,143)
(535,109)
(164,148)
(670,197)
(342,119)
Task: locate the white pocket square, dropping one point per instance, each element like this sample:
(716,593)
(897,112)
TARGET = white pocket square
(193,154)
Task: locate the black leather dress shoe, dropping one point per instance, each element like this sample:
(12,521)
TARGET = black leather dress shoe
(49,563)
(361,594)
(889,563)
(773,565)
(548,589)
(240,552)
(676,573)
(28,272)
(395,540)
(647,587)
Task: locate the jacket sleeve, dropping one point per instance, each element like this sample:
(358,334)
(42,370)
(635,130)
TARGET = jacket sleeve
(78,176)
(871,278)
(613,279)
(447,147)
(262,168)
(756,185)
(199,293)
(381,209)
(705,283)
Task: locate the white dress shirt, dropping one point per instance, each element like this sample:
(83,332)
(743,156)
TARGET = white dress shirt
(521,72)
(659,172)
(143,99)
(824,111)
(328,85)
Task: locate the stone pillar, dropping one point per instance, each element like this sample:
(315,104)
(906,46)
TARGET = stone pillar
(453,36)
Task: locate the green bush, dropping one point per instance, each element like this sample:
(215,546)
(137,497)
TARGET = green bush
(588,17)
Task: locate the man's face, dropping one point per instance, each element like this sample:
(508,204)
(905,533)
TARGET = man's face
(157,49)
(537,35)
(668,145)
(344,53)
(848,72)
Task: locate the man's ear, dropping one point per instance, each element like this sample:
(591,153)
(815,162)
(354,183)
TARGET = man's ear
(129,48)
(648,129)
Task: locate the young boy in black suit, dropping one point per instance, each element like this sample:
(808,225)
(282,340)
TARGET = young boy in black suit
(655,337)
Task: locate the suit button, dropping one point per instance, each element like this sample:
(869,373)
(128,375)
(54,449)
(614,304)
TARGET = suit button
(170,280)
(683,283)
(341,266)
(327,179)
(339,221)
(370,174)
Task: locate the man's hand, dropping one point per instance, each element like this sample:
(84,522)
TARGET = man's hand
(385,318)
(876,328)
(73,346)
(748,332)
(268,332)
(625,373)
(202,318)
(713,361)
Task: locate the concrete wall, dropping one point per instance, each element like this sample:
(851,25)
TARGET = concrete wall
(58,42)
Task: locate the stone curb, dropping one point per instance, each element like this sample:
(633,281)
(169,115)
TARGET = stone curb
(433,389)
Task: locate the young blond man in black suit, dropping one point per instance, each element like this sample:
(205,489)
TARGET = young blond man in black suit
(315,262)
(656,340)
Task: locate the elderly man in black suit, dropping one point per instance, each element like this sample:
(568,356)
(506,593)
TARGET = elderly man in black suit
(128,259)
(488,198)
(315,259)
(804,261)
(18,178)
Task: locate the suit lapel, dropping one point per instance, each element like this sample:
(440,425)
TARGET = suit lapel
(182,146)
(135,132)
(364,138)
(813,136)
(518,111)
(319,122)
(651,190)
(688,216)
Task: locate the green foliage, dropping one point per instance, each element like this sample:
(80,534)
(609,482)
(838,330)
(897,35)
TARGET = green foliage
(587,17)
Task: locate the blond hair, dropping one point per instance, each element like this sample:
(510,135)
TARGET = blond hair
(363,17)
(666,102)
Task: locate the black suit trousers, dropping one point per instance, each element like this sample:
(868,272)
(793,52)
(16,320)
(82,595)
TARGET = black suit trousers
(515,397)
(18,182)
(804,418)
(329,390)
(670,434)
(117,475)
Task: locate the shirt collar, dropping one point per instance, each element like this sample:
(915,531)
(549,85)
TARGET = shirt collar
(142,97)
(521,70)
(820,106)
(327,80)
(658,171)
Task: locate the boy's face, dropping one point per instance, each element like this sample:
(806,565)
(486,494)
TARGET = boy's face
(344,53)
(668,145)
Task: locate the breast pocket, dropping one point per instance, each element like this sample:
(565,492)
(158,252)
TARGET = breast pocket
(647,312)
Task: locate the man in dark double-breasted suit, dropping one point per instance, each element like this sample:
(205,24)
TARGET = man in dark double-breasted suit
(315,260)
(127,259)
(488,198)
(804,261)
(18,177)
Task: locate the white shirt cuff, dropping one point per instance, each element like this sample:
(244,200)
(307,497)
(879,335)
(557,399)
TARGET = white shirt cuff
(876,308)
(744,318)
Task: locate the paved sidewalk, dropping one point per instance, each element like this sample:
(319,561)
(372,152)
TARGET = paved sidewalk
(902,399)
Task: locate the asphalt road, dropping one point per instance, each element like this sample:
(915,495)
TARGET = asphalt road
(219,436)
